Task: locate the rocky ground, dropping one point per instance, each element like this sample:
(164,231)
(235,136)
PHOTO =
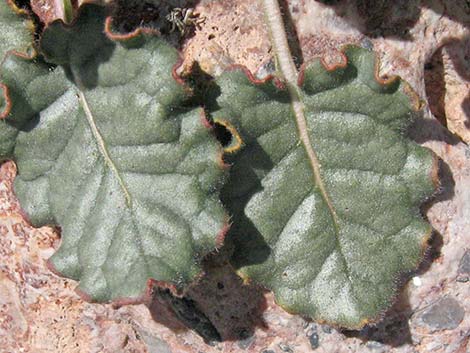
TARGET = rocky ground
(425,42)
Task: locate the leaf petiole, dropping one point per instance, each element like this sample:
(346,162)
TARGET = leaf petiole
(289,73)
(67,11)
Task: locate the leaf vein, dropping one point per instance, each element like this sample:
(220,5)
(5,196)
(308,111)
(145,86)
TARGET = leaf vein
(102,146)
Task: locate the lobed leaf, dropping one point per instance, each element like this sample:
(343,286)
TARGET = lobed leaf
(108,151)
(328,226)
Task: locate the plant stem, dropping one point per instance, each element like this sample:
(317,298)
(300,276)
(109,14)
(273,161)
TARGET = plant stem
(279,40)
(68,10)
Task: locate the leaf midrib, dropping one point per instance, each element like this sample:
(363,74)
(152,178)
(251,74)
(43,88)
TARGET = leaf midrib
(298,108)
(102,146)
(288,70)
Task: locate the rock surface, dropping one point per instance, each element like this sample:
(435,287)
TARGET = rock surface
(425,42)
(446,314)
(464,267)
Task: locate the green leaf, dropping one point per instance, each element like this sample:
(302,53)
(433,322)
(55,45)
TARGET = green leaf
(15,29)
(329,225)
(106,150)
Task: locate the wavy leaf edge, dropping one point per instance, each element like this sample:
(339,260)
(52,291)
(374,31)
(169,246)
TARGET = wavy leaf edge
(136,35)
(417,104)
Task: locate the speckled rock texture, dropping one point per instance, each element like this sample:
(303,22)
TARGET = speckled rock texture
(425,42)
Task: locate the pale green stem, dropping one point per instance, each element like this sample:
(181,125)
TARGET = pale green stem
(67,10)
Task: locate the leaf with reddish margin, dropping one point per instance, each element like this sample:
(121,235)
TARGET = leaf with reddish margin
(328,225)
(107,150)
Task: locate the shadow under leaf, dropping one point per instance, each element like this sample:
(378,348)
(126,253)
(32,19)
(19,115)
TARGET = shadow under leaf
(379,18)
(249,245)
(384,18)
(80,49)
(423,130)
(218,306)
(393,330)
(458,52)
(128,15)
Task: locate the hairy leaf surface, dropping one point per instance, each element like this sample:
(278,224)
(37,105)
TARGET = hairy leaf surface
(15,34)
(106,150)
(15,29)
(330,234)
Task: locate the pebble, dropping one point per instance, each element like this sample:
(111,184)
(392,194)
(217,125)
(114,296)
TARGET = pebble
(310,329)
(376,346)
(367,44)
(312,335)
(245,343)
(464,268)
(285,348)
(268,68)
(467,152)
(445,314)
(314,340)
(433,346)
(155,345)
(417,281)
